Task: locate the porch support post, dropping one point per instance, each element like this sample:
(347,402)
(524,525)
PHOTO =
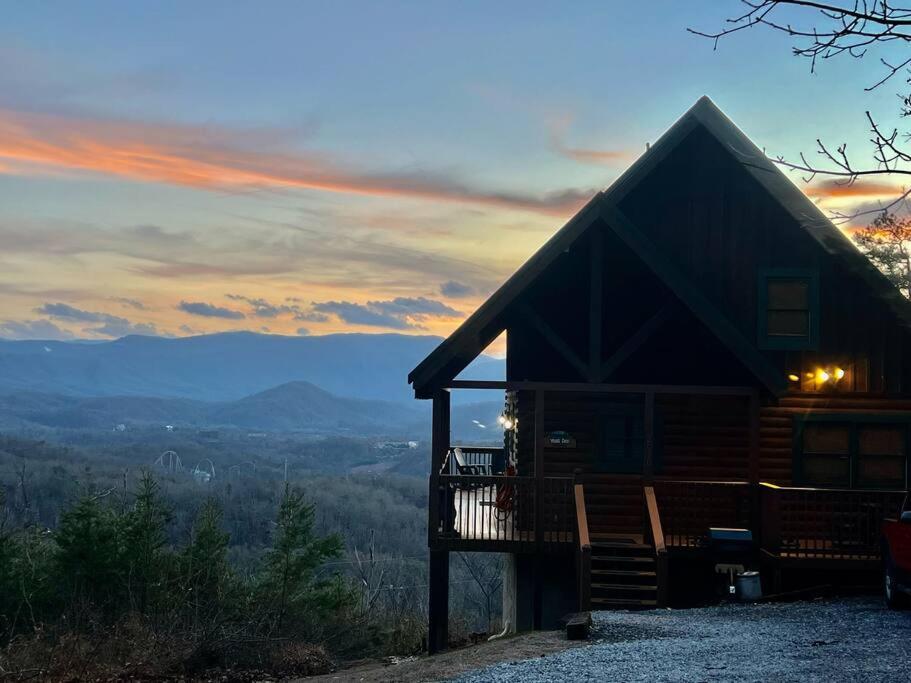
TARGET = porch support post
(439,447)
(539,508)
(648,467)
(595,306)
(438,600)
(438,604)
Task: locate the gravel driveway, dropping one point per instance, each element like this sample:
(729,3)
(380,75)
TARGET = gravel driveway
(853,639)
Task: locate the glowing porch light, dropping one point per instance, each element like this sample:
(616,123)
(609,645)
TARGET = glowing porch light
(793,377)
(839,373)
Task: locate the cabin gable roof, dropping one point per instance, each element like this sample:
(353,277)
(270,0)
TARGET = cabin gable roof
(481,328)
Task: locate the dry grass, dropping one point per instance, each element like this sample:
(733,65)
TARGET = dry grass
(131,651)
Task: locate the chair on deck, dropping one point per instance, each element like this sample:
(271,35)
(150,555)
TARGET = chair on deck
(463,468)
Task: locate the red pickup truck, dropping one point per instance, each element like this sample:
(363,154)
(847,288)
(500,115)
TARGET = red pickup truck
(897,558)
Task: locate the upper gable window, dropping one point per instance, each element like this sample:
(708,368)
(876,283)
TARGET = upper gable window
(788,309)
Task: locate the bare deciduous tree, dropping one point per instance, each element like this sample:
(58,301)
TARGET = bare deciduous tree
(850,29)
(886,243)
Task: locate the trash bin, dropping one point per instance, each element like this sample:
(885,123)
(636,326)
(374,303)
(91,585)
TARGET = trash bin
(749,587)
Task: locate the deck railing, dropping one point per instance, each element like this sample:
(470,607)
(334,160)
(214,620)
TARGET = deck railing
(808,523)
(502,510)
(690,508)
(480,459)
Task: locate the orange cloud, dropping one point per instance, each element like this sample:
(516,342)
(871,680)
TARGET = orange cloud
(559,126)
(834,189)
(592,156)
(210,158)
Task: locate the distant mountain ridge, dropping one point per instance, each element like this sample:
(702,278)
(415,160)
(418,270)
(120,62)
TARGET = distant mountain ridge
(290,407)
(222,367)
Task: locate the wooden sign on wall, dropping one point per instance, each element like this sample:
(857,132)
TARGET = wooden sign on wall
(560,440)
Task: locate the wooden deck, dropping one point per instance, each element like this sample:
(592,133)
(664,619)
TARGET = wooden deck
(475,520)
(793,526)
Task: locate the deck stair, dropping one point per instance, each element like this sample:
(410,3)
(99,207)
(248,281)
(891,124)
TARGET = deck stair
(623,573)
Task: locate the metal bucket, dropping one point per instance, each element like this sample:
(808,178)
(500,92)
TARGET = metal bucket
(748,587)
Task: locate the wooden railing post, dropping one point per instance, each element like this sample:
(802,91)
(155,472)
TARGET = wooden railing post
(770,528)
(583,548)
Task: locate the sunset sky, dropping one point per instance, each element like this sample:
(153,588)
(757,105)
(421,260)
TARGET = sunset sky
(302,168)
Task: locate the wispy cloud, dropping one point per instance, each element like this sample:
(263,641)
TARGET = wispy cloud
(455,290)
(107,325)
(216,159)
(206,310)
(558,131)
(401,313)
(33,329)
(67,312)
(130,303)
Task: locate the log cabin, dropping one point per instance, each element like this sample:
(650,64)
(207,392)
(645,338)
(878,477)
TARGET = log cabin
(698,348)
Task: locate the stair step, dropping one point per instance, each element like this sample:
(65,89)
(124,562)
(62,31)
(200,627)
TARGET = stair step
(622,572)
(623,587)
(639,560)
(620,545)
(623,603)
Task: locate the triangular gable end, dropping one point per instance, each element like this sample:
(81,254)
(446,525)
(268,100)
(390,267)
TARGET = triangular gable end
(473,336)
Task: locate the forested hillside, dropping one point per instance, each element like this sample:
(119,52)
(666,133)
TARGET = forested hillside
(92,507)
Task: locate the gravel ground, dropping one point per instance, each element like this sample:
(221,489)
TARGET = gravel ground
(833,640)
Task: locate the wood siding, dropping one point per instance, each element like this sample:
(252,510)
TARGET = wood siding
(776,426)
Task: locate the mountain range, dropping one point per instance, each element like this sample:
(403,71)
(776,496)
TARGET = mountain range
(223,367)
(345,383)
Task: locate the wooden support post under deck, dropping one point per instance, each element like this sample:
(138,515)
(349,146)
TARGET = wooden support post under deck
(438,602)
(539,508)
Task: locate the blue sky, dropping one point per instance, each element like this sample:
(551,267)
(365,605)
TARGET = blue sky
(178,168)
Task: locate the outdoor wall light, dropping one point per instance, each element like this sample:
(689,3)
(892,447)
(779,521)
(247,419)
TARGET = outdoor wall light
(832,374)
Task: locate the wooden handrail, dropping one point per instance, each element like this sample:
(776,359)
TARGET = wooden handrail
(584,551)
(581,517)
(661,563)
(651,504)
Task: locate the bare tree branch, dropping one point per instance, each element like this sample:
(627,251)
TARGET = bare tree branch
(848,28)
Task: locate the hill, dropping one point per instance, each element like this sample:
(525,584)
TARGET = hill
(222,367)
(290,407)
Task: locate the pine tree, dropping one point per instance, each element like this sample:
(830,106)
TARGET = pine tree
(205,575)
(88,555)
(289,580)
(143,554)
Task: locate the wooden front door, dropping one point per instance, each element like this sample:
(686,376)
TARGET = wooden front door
(620,444)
